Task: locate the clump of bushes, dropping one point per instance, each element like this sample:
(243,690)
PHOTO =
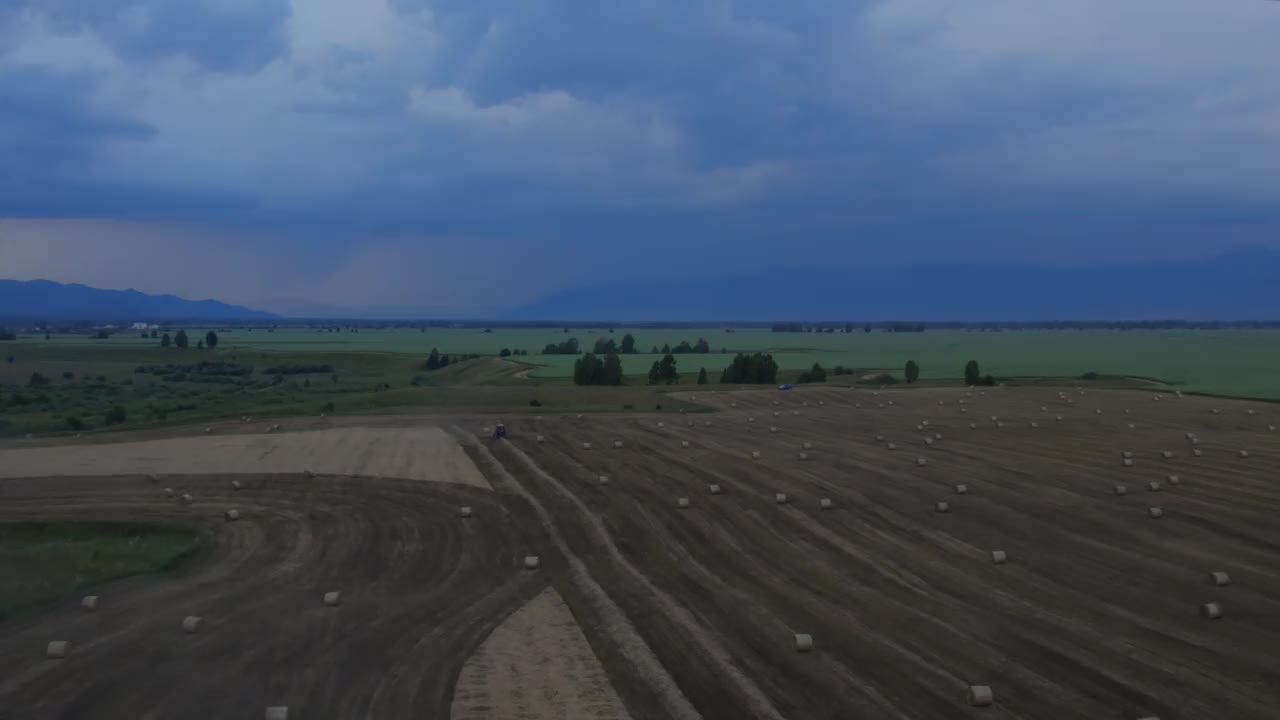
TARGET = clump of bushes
(115,415)
(535,403)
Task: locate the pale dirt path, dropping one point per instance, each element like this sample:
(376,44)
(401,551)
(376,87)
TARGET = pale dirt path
(536,665)
(423,453)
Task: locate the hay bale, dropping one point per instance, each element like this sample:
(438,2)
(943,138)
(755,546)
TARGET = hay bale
(56,650)
(207,430)
(682,503)
(962,489)
(1126,454)
(89,602)
(891,446)
(579,417)
(1251,412)
(714,489)
(661,424)
(1174,479)
(755,454)
(1155,513)
(803,456)
(751,419)
(1035,424)
(1121,490)
(776,413)
(169,491)
(186,498)
(794,413)
(706,423)
(807,446)
(821,403)
(805,403)
(684,443)
(1166,454)
(1154,486)
(980,695)
(1126,411)
(192,623)
(531,562)
(942,507)
(1197,452)
(1058,418)
(308,473)
(994,418)
(773,429)
(604,480)
(921,462)
(998,557)
(825,503)
(1000,424)
(733,405)
(924,423)
(973,426)
(1097,411)
(1271,428)
(539,418)
(804,643)
(278,712)
(539,439)
(1216,411)
(235,484)
(780,498)
(464,511)
(1244,453)
(1220,578)
(617,444)
(964,411)
(586,446)
(879,438)
(928,441)
(1044,408)
(1132,426)
(233,515)
(333,599)
(1211,611)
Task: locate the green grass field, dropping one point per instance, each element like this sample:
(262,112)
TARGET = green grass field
(46,562)
(376,370)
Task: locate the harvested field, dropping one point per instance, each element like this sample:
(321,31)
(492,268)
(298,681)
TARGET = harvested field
(422,453)
(1095,611)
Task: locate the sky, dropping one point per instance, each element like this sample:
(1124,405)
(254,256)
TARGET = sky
(459,157)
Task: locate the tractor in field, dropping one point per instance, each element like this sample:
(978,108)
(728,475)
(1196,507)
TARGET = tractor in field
(499,432)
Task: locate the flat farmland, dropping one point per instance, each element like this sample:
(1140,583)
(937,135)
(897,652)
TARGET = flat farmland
(1095,613)
(644,609)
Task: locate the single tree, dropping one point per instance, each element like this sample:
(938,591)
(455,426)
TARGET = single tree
(433,360)
(180,339)
(667,371)
(165,341)
(702,376)
(911,371)
(972,374)
(612,369)
(655,373)
(504,352)
(654,351)
(702,346)
(628,344)
(211,340)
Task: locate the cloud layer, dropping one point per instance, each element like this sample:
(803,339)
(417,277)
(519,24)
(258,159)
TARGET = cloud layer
(457,156)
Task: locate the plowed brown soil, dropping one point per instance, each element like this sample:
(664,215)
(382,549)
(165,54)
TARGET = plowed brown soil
(693,611)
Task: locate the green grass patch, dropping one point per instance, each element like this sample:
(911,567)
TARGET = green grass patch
(43,563)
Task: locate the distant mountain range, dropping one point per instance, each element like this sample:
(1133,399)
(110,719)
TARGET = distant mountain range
(1242,285)
(46,300)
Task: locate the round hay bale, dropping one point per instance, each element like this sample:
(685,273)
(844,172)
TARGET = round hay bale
(805,403)
(682,503)
(994,418)
(1097,411)
(924,423)
(1126,411)
(308,473)
(751,419)
(89,602)
(56,650)
(233,515)
(539,418)
(733,405)
(803,456)
(714,489)
(1155,513)
(1271,428)
(539,439)
(755,454)
(486,430)
(973,426)
(1244,453)
(586,446)
(1166,454)
(1035,424)
(962,489)
(980,696)
(780,498)
(964,411)
(235,484)
(998,557)
(942,507)
(1058,418)
(1154,486)
(773,429)
(192,623)
(1126,454)
(1044,408)
(776,413)
(807,446)
(579,417)
(879,405)
(661,424)
(604,480)
(921,462)
(928,441)
(1174,479)
(804,643)
(1000,424)
(464,511)
(891,446)
(889,402)
(795,413)
(821,403)
(208,429)
(531,562)
(684,443)
(278,712)
(1127,462)
(169,491)
(825,503)
(332,599)
(879,438)
(1197,452)
(1220,578)
(617,444)
(1216,411)
(1251,412)
(1211,611)
(706,423)
(186,498)
(1121,490)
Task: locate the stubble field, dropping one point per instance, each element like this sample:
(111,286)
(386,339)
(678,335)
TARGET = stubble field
(692,612)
